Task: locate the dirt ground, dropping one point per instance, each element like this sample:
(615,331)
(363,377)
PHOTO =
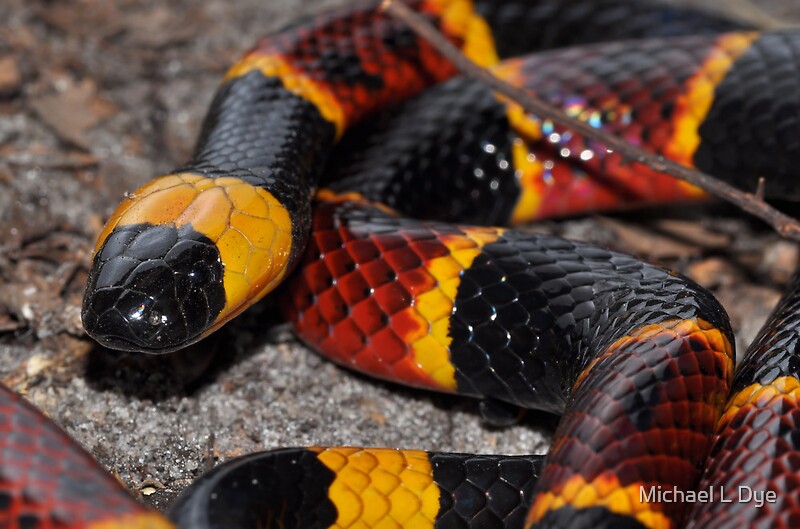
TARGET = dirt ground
(97,97)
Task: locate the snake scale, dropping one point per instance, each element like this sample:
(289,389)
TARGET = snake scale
(637,359)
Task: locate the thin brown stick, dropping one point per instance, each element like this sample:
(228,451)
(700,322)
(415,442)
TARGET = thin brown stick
(783,224)
(749,13)
(759,194)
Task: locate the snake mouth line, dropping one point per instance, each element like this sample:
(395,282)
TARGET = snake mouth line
(121,344)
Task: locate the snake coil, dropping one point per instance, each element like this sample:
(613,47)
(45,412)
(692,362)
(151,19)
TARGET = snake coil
(637,359)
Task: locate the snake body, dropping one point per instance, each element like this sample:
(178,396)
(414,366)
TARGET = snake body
(637,359)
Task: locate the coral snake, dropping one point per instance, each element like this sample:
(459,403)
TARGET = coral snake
(636,358)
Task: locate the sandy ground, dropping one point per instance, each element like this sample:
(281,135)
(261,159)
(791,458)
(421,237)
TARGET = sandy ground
(96,97)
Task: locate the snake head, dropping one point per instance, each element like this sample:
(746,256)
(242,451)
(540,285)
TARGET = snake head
(153,288)
(180,257)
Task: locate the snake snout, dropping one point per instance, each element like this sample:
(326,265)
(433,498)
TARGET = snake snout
(153,288)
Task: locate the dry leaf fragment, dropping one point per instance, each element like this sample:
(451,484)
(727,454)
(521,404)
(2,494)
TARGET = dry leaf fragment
(72,112)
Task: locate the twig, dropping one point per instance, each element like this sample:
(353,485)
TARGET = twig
(759,194)
(748,12)
(783,224)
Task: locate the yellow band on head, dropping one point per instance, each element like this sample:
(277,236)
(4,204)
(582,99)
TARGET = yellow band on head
(251,229)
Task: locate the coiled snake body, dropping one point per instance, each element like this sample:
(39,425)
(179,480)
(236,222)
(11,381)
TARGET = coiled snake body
(637,359)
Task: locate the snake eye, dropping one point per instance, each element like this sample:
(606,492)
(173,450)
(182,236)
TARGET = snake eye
(153,288)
